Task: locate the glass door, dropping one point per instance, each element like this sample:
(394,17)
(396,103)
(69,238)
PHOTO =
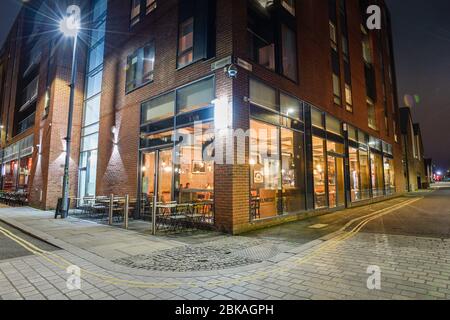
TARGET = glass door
(157,166)
(336,185)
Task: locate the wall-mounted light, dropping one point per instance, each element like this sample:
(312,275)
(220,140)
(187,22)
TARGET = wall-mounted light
(222,113)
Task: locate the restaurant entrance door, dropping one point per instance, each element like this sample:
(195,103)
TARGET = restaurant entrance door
(336,185)
(156,174)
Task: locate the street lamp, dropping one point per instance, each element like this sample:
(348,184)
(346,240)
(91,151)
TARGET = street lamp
(70,27)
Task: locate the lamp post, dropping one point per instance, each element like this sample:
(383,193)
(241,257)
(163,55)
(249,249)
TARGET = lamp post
(70,26)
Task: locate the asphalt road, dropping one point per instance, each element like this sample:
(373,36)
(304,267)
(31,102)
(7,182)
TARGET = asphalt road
(9,249)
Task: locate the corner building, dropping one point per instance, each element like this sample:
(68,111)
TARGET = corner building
(164,84)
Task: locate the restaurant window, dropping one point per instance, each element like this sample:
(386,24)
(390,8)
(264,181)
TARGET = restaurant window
(289,5)
(195,96)
(194,176)
(289,53)
(140,66)
(291,107)
(317,118)
(159,108)
(319,172)
(364,174)
(376,162)
(186,43)
(24,173)
(355,184)
(389,176)
(333,125)
(265,169)
(291,171)
(263,95)
(352,133)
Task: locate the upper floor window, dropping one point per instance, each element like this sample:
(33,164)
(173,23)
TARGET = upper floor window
(289,5)
(367,49)
(289,52)
(140,66)
(372,115)
(140,8)
(186,43)
(333,36)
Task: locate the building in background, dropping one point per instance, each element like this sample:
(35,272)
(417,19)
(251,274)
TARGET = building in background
(312,88)
(413,152)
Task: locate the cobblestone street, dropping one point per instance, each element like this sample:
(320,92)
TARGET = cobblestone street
(263,265)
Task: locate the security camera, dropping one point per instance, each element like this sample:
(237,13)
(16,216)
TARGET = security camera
(231,71)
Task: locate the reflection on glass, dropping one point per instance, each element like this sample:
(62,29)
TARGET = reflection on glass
(195,172)
(265,168)
(320,195)
(365,174)
(389,176)
(377,174)
(354,175)
(336,187)
(25,173)
(291,173)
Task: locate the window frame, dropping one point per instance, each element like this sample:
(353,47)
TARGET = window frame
(190,49)
(139,54)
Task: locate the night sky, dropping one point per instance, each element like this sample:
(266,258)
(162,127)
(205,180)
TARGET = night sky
(422,51)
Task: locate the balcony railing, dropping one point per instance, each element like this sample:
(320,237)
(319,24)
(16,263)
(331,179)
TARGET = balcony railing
(27,123)
(29,94)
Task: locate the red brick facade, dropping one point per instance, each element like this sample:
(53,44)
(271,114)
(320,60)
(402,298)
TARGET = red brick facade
(117,166)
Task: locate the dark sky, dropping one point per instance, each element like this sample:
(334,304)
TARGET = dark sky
(422,50)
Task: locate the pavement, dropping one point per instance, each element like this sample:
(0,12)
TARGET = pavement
(328,257)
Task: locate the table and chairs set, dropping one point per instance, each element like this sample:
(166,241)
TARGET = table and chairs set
(170,216)
(14,198)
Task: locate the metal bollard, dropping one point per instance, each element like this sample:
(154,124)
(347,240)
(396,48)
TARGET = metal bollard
(111,204)
(126,211)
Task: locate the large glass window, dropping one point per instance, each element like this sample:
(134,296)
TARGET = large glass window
(355,184)
(195,96)
(389,176)
(263,95)
(291,171)
(289,52)
(376,161)
(319,172)
(92,111)
(186,43)
(196,168)
(159,108)
(140,66)
(291,107)
(317,118)
(365,174)
(265,169)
